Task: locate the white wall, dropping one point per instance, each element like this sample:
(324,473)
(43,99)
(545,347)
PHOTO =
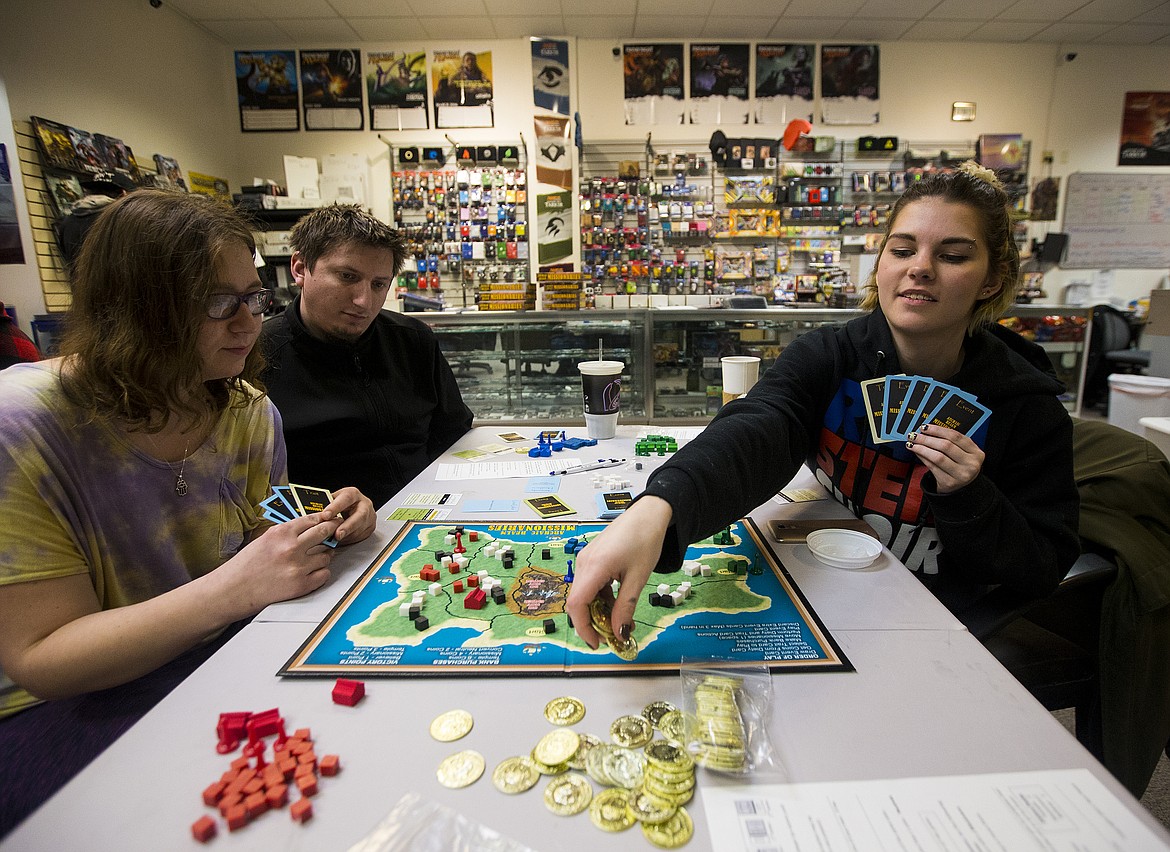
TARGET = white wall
(165,86)
(144,75)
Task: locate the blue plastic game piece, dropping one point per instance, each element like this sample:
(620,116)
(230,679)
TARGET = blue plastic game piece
(569,575)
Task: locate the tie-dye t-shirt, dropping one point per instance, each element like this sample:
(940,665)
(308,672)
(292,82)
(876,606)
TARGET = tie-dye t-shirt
(80,499)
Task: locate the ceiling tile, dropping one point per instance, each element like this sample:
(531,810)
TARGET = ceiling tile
(806,29)
(1069,32)
(960,10)
(913,9)
(674,8)
(219,10)
(458,28)
(1112,11)
(1134,34)
(1003,31)
(1161,15)
(248,35)
(317,32)
(941,30)
(388,29)
(516,9)
(600,26)
(862,30)
(665,26)
(739,27)
(823,8)
(1044,11)
(529,25)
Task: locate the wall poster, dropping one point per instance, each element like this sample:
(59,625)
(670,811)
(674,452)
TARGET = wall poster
(462,83)
(719,83)
(331,89)
(849,84)
(550,75)
(1145,130)
(784,82)
(266,84)
(396,86)
(653,83)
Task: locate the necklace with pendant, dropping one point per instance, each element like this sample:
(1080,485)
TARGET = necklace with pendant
(180,482)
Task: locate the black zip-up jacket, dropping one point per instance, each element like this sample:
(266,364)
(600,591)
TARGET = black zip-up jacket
(1014,525)
(371,414)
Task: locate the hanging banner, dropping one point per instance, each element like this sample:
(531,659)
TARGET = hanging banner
(719,84)
(1145,130)
(849,84)
(266,85)
(554,227)
(396,88)
(550,75)
(784,82)
(462,83)
(554,160)
(331,89)
(653,83)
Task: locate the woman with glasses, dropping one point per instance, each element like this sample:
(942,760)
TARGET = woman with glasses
(131,469)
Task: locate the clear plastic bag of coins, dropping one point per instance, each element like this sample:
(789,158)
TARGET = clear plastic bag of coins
(727,711)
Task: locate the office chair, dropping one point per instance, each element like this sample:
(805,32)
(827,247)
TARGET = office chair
(1111,350)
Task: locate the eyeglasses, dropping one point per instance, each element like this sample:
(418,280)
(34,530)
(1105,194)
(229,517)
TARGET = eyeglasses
(225,305)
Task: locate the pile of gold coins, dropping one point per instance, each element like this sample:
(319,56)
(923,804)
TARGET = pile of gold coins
(644,780)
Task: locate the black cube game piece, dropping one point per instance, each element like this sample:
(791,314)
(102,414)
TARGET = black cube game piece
(421,623)
(550,626)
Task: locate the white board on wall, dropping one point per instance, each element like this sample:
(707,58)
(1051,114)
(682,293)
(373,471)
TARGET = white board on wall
(1117,221)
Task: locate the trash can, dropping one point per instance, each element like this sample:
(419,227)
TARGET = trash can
(1157,431)
(1133,397)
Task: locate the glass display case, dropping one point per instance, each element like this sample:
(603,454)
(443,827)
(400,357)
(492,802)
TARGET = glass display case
(521,367)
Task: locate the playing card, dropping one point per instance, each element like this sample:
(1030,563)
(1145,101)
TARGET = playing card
(874,392)
(310,499)
(549,506)
(895,393)
(959,411)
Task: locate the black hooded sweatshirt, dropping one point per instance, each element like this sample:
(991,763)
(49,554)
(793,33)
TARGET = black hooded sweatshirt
(1015,525)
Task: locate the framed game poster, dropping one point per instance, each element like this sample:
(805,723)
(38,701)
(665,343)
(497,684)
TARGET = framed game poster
(169,171)
(1145,130)
(86,150)
(396,88)
(216,187)
(331,89)
(850,77)
(462,85)
(653,83)
(784,82)
(719,83)
(741,608)
(64,191)
(266,86)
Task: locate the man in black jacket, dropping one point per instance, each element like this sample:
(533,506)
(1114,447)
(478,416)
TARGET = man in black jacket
(366,397)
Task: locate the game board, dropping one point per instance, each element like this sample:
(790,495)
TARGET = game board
(746,612)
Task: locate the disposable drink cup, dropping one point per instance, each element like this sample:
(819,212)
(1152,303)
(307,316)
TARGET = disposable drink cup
(739,374)
(601,387)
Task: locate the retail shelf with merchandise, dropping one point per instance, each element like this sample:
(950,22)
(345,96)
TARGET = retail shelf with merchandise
(1063,332)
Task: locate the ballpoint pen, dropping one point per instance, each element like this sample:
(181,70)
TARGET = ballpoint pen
(600,463)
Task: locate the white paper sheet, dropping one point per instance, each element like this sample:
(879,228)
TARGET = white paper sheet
(1049,811)
(504,469)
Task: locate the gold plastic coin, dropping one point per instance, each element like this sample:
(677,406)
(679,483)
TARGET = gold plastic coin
(515,775)
(676,725)
(461,769)
(564,711)
(568,794)
(646,807)
(655,710)
(556,747)
(631,731)
(610,810)
(669,756)
(452,725)
(599,614)
(624,766)
(595,765)
(671,834)
(586,744)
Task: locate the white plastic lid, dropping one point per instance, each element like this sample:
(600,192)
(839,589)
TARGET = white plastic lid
(844,548)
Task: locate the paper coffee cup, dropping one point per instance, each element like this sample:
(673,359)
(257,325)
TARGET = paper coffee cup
(740,372)
(601,389)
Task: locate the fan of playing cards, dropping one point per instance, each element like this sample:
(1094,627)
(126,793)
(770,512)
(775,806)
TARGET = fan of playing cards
(295,501)
(899,405)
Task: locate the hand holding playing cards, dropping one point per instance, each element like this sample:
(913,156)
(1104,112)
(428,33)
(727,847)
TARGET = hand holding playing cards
(953,458)
(287,561)
(626,551)
(360,518)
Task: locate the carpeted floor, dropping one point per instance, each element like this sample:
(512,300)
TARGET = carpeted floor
(1157,795)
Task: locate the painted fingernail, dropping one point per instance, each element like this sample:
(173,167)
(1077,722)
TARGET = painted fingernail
(924,428)
(624,632)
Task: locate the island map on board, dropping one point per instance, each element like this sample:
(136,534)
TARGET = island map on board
(740,608)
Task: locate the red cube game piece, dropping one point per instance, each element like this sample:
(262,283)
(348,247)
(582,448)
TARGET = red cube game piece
(301,810)
(330,765)
(203,829)
(348,692)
